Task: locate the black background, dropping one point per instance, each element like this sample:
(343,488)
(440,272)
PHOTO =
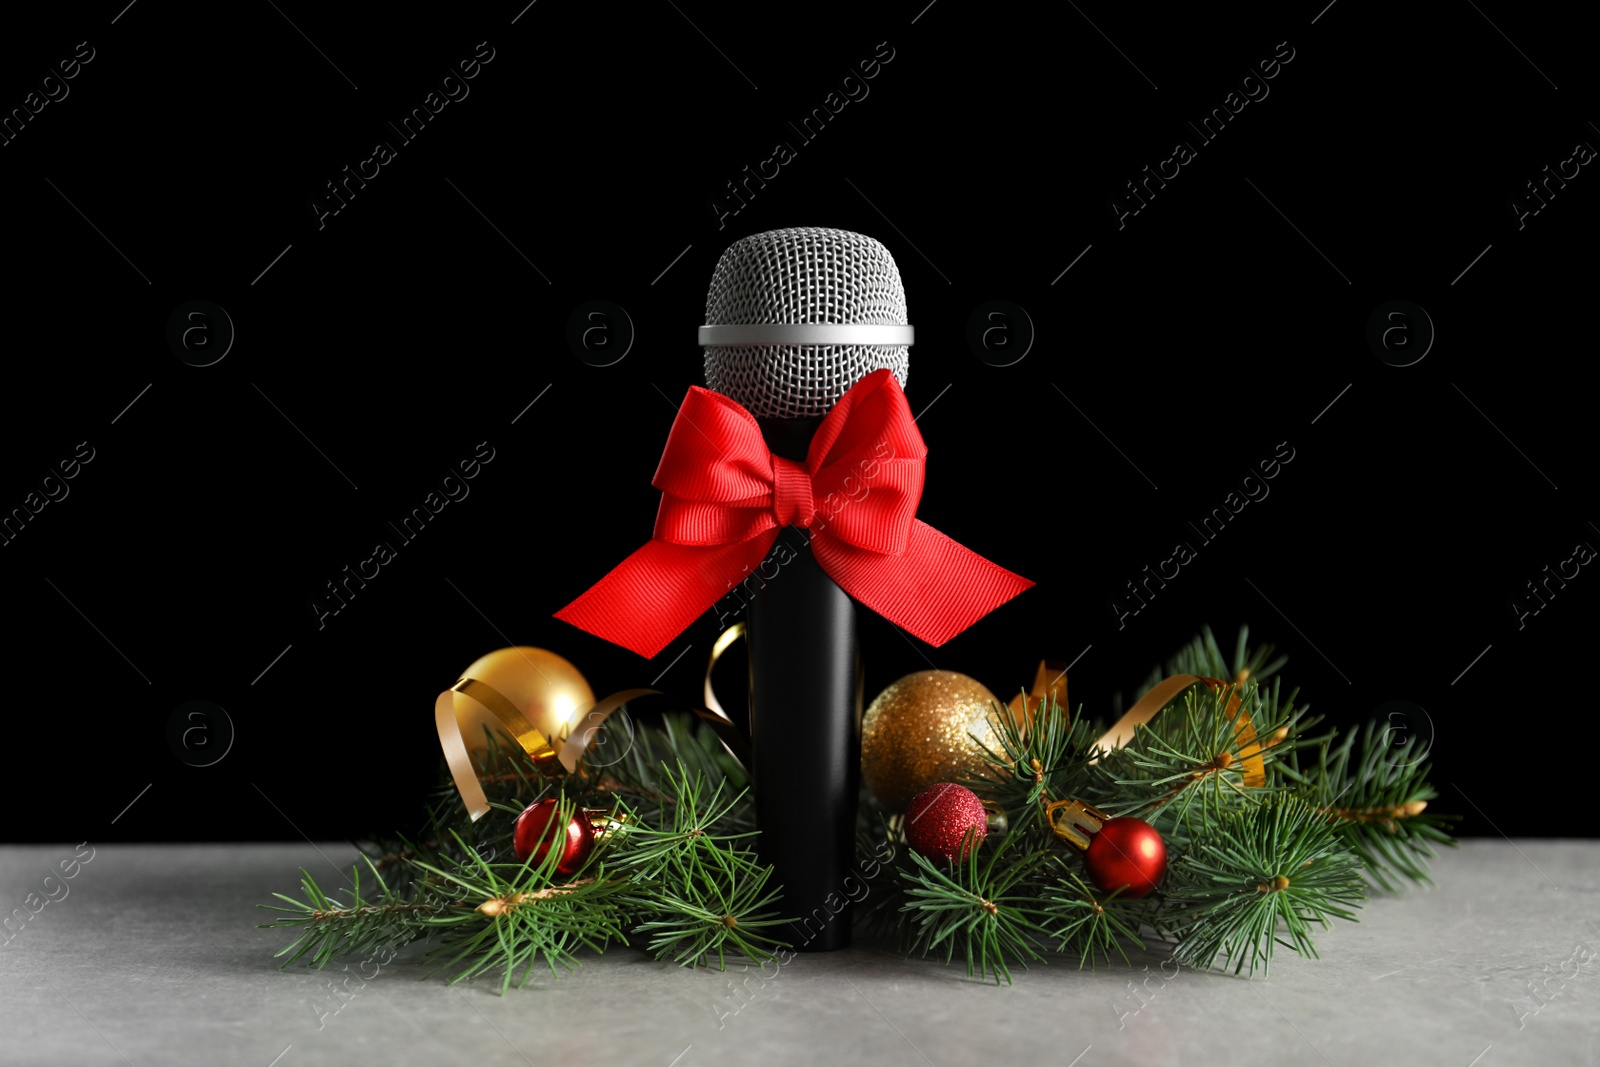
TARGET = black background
(379,349)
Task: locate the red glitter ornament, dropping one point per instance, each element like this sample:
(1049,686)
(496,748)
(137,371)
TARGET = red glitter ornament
(938,818)
(1126,852)
(534,834)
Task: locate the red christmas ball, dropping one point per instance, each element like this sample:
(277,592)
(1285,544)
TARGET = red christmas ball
(534,834)
(1126,852)
(938,818)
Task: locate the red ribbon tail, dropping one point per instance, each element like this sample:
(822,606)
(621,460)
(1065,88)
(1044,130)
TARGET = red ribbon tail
(937,589)
(659,591)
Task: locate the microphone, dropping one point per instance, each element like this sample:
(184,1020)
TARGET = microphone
(794,318)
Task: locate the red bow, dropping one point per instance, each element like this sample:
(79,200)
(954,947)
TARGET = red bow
(724,498)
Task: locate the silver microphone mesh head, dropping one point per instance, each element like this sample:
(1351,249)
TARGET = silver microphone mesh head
(805,274)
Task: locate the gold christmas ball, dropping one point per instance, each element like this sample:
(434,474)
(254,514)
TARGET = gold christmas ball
(549,691)
(916,733)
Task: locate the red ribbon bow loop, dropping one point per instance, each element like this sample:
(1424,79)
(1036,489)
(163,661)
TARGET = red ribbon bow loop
(724,498)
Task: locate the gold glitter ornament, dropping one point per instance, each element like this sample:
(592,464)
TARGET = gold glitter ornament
(916,733)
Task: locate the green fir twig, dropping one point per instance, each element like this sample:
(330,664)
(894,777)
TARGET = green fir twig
(1274,866)
(1375,793)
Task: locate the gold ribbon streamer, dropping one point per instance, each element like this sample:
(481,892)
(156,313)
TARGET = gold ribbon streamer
(567,759)
(1050,680)
(737,744)
(576,743)
(538,747)
(725,639)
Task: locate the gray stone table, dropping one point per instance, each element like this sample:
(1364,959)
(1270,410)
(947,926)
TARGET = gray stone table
(152,957)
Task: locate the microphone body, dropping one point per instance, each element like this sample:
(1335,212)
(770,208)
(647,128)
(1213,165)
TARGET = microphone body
(805,715)
(794,318)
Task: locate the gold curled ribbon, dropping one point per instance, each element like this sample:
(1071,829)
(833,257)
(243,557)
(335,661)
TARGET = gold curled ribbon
(1050,680)
(724,640)
(737,744)
(539,748)
(554,757)
(577,743)
(1163,693)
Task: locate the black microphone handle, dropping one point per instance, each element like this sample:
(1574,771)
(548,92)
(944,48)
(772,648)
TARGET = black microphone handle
(805,716)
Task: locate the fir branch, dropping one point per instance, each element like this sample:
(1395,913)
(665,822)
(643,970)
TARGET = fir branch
(692,810)
(516,915)
(977,906)
(681,740)
(1275,863)
(331,928)
(698,890)
(1088,925)
(1376,799)
(398,854)
(1038,760)
(508,916)
(1195,753)
(711,902)
(1255,865)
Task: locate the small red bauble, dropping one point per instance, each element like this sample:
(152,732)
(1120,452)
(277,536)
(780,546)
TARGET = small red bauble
(534,833)
(1126,852)
(938,818)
